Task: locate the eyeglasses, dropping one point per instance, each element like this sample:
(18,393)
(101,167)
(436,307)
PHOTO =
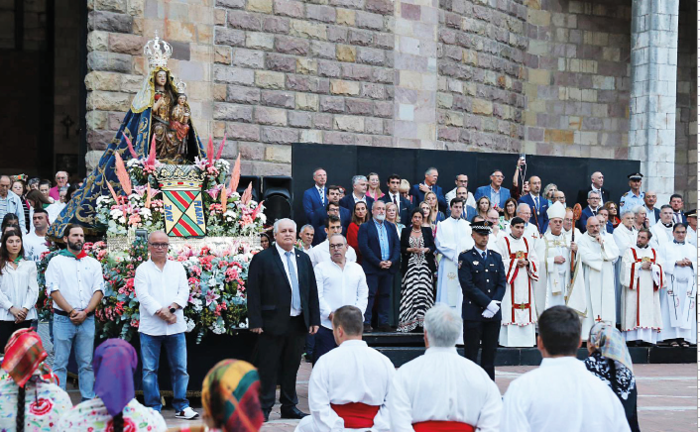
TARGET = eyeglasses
(160,245)
(337,246)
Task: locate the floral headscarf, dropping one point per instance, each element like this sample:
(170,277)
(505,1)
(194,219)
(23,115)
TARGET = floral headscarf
(609,342)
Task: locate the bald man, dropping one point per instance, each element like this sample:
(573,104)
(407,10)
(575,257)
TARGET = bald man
(595,299)
(597,180)
(524,212)
(538,205)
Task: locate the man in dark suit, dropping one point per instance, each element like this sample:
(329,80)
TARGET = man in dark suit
(597,180)
(590,210)
(483,281)
(320,222)
(419,190)
(321,214)
(380,248)
(359,193)
(394,195)
(538,204)
(468,212)
(676,203)
(282,310)
(315,196)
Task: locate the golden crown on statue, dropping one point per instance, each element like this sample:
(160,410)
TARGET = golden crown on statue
(157,52)
(181,87)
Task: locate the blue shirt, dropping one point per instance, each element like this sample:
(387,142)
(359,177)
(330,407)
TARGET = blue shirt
(495,197)
(383,239)
(629,201)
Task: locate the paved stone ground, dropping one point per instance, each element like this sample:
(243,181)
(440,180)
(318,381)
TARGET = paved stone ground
(668,395)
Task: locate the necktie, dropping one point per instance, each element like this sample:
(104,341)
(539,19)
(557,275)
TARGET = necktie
(483,255)
(296,300)
(320,191)
(393,197)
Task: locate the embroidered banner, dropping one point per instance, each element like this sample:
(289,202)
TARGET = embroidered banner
(182,200)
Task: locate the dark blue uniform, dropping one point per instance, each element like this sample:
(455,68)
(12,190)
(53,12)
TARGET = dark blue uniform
(482,281)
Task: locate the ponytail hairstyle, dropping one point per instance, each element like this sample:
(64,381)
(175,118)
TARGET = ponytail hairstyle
(118,422)
(21,393)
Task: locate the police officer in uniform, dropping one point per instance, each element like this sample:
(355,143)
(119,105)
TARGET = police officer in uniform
(483,281)
(634,197)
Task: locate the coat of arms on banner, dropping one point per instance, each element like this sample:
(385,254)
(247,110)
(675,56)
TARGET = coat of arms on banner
(182,200)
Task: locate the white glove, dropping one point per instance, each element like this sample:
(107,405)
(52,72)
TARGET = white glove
(493,307)
(487,314)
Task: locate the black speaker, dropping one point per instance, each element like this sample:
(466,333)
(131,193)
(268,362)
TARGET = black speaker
(243,185)
(277,194)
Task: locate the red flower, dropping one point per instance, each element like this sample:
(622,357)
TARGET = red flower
(41,406)
(129,425)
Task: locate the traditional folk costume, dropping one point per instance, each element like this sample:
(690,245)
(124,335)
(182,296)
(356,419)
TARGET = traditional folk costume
(453,236)
(641,310)
(518,306)
(556,280)
(561,395)
(594,300)
(443,391)
(678,298)
(348,390)
(661,234)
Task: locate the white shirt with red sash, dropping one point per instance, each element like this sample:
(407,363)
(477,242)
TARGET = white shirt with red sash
(519,314)
(348,390)
(442,390)
(641,308)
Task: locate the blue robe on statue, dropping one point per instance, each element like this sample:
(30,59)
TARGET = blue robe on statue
(137,125)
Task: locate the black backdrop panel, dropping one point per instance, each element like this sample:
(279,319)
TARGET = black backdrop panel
(342,162)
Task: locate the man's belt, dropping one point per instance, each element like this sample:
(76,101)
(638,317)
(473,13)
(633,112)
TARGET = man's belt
(443,426)
(356,415)
(60,312)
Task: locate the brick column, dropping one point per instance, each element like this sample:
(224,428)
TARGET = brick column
(415,72)
(653,95)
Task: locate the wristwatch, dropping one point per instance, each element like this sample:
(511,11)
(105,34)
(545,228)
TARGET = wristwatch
(172,310)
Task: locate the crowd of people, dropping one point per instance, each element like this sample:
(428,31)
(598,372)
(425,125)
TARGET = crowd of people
(516,267)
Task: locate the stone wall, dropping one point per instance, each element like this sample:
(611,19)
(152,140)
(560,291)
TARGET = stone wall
(118,30)
(290,71)
(686,168)
(481,52)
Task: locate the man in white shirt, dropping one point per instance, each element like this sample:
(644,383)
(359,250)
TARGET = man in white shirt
(524,212)
(75,283)
(306,237)
(349,386)
(339,283)
(649,207)
(442,389)
(35,243)
(162,289)
(453,236)
(561,395)
(461,181)
(321,252)
(662,231)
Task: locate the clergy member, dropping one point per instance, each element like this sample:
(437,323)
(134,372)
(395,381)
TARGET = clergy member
(521,266)
(561,395)
(441,390)
(496,233)
(678,308)
(349,385)
(452,237)
(625,236)
(569,224)
(340,283)
(595,299)
(531,233)
(662,231)
(641,278)
(555,252)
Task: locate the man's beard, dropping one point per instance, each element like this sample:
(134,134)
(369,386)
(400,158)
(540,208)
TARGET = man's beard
(641,246)
(76,246)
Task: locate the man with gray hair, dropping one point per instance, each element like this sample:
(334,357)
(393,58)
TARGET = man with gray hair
(359,193)
(349,386)
(10,202)
(442,388)
(340,282)
(662,230)
(419,190)
(591,210)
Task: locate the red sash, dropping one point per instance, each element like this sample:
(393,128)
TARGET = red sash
(510,280)
(656,287)
(356,414)
(443,426)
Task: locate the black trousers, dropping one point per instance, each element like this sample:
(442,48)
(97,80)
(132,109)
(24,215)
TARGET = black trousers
(324,343)
(484,334)
(9,327)
(280,353)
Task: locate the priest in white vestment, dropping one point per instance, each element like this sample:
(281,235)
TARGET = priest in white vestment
(349,386)
(678,298)
(641,278)
(531,233)
(625,236)
(662,231)
(554,251)
(569,225)
(518,306)
(453,236)
(561,395)
(441,390)
(595,299)
(496,233)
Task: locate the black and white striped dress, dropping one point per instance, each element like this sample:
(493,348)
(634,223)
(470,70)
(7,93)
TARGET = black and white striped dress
(417,294)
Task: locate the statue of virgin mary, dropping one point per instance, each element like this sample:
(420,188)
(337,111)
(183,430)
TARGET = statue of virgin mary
(159,109)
